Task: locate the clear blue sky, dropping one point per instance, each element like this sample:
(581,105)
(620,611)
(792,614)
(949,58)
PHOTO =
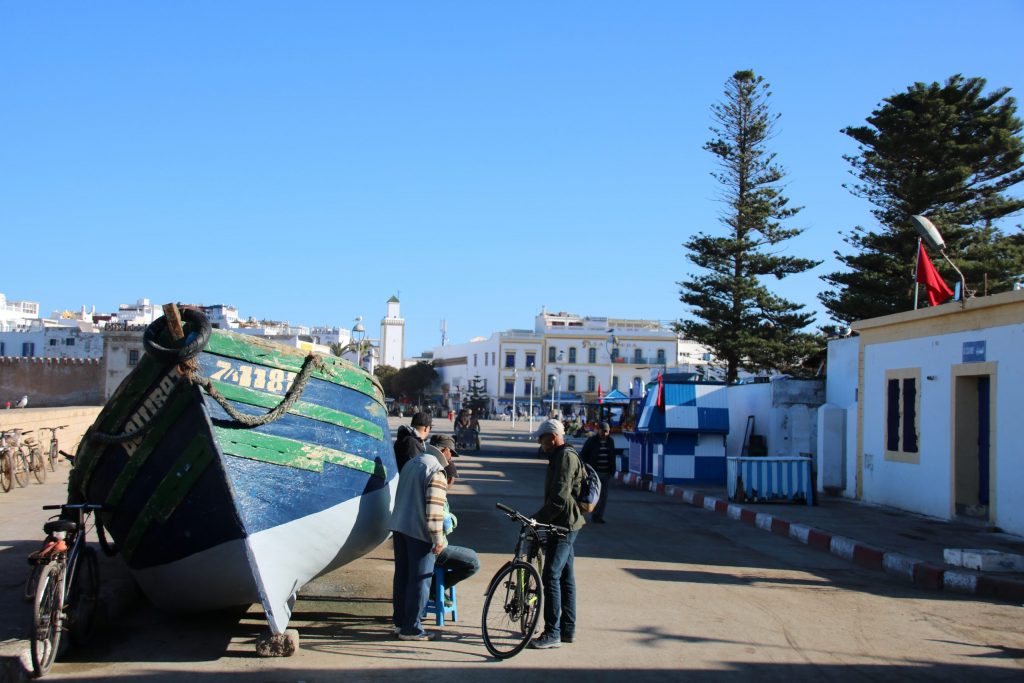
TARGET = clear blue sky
(307,160)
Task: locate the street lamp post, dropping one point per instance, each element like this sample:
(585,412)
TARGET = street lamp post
(530,367)
(611,342)
(358,335)
(515,379)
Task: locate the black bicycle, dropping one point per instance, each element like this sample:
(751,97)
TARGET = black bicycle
(67,584)
(515,595)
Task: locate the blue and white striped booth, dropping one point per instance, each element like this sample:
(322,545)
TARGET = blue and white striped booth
(684,443)
(771,479)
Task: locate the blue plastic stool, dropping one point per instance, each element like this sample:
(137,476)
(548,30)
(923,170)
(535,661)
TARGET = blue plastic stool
(435,605)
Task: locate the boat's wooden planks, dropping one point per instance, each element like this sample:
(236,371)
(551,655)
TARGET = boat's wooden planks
(290,453)
(171,490)
(312,411)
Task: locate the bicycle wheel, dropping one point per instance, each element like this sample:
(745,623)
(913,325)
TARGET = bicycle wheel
(46,617)
(37,465)
(511,609)
(20,467)
(52,456)
(83,597)
(6,468)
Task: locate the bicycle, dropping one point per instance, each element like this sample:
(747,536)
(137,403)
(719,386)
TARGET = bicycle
(51,454)
(514,597)
(67,587)
(18,465)
(34,456)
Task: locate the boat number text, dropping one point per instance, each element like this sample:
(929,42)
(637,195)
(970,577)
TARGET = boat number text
(248,376)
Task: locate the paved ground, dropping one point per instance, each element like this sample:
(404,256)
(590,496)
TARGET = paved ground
(668,590)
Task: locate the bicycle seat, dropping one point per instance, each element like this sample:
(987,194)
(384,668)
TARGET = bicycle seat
(66,525)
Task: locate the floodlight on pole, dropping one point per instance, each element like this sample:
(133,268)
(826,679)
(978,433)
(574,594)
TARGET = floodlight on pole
(933,238)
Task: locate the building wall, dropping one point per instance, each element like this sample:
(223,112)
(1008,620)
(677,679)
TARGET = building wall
(930,343)
(51,381)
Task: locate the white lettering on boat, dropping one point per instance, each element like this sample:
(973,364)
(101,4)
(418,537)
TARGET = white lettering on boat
(254,377)
(156,399)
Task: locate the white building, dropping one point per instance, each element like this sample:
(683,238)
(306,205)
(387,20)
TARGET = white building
(392,336)
(16,315)
(566,359)
(932,415)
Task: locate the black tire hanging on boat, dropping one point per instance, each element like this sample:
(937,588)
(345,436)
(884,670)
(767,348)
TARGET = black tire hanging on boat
(200,326)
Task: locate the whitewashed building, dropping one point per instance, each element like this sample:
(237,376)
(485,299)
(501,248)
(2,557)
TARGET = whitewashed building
(933,424)
(392,335)
(566,359)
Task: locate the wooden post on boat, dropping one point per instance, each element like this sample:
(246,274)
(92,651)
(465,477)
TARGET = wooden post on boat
(174,322)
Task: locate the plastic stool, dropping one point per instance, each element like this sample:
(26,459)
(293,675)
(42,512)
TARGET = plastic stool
(435,605)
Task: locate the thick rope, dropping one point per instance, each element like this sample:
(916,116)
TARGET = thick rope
(294,394)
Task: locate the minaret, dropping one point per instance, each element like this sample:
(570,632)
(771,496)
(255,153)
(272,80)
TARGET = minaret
(392,336)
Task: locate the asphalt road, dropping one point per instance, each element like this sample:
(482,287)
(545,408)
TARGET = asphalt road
(666,592)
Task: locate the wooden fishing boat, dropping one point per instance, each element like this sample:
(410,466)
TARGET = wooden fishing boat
(208,511)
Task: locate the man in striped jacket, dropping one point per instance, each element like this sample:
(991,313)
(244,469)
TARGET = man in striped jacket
(418,527)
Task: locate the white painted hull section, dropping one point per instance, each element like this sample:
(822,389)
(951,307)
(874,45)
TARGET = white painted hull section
(272,565)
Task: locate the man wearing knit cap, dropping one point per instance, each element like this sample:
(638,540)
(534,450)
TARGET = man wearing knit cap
(563,477)
(599,453)
(410,441)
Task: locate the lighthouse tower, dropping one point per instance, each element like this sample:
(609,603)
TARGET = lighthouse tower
(392,336)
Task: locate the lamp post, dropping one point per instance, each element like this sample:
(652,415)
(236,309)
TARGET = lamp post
(530,368)
(515,379)
(558,386)
(358,336)
(611,342)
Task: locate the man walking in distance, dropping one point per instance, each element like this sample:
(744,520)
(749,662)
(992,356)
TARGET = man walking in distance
(564,476)
(410,441)
(599,453)
(417,524)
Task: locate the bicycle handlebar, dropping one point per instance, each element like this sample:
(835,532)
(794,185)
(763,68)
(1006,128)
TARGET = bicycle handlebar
(78,506)
(515,514)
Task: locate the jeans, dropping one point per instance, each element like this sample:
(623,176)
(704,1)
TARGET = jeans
(414,568)
(559,585)
(460,562)
(605,478)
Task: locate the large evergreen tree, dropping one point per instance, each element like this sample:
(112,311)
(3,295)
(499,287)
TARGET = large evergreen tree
(948,151)
(735,315)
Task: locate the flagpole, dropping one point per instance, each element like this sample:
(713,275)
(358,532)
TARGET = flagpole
(917,260)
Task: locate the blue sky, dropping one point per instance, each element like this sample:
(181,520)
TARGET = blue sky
(305,161)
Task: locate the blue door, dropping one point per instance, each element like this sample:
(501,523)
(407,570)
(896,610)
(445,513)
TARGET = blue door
(983,440)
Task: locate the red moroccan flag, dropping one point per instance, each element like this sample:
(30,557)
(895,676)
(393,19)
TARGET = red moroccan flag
(660,401)
(599,394)
(938,290)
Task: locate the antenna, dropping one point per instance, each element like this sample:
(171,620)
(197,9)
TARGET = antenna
(444,332)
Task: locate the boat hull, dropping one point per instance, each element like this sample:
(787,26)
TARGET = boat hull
(208,512)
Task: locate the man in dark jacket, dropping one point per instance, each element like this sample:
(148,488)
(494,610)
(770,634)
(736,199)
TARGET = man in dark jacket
(599,453)
(410,442)
(563,478)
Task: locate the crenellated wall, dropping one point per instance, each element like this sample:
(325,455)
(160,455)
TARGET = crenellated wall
(51,382)
(77,419)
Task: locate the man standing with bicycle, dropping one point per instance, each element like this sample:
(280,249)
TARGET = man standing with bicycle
(564,476)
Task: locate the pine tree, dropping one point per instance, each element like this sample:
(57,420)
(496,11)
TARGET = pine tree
(946,151)
(736,316)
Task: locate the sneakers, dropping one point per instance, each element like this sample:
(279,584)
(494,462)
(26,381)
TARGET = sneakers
(545,642)
(426,635)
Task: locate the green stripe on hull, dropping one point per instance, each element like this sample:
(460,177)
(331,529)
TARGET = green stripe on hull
(278,450)
(255,350)
(233,392)
(171,491)
(150,440)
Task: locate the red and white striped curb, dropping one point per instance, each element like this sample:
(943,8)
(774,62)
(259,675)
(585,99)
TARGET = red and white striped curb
(920,573)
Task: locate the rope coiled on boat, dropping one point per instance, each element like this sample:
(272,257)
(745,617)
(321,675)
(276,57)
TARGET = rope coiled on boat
(294,394)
